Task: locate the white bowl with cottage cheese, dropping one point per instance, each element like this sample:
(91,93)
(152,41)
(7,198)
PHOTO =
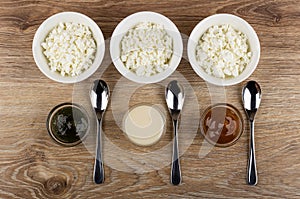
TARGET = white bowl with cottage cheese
(223,49)
(68,47)
(146,47)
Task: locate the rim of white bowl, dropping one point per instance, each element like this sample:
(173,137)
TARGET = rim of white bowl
(253,40)
(131,21)
(44,30)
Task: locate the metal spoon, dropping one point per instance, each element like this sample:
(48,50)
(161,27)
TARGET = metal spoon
(99,99)
(175,98)
(251,96)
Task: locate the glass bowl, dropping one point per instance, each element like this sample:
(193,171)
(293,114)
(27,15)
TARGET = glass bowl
(222,124)
(68,124)
(144,124)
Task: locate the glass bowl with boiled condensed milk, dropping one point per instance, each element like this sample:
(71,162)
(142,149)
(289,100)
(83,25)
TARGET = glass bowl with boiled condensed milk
(222,124)
(144,124)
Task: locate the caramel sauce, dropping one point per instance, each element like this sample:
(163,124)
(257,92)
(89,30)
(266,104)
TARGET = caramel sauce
(221,124)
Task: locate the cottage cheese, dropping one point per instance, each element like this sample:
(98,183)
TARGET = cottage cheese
(146,49)
(70,49)
(223,51)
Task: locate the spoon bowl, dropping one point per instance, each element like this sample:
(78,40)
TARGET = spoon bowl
(174,98)
(99,99)
(99,95)
(251,98)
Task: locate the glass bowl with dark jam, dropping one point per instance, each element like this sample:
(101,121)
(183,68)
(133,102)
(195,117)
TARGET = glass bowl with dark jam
(221,124)
(68,124)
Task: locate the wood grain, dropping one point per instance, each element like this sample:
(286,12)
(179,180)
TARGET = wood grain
(33,166)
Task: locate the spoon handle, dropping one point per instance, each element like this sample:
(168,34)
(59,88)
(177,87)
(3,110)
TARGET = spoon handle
(175,171)
(252,172)
(98,167)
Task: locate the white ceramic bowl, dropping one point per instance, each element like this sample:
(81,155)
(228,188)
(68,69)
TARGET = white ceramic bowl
(44,30)
(130,22)
(238,24)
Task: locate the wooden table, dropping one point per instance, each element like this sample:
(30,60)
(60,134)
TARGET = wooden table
(34,166)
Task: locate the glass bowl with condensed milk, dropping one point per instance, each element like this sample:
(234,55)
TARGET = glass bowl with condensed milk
(144,124)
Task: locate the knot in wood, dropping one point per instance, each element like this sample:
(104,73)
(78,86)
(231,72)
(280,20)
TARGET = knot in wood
(56,185)
(277,18)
